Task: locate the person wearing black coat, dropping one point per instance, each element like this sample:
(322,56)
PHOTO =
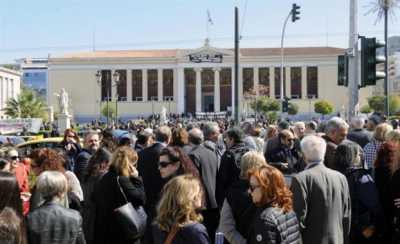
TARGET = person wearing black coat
(229,169)
(107,196)
(358,134)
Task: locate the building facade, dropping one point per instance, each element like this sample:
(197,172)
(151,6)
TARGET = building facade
(34,75)
(10,87)
(194,80)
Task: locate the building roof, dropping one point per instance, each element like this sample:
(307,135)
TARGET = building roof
(171,53)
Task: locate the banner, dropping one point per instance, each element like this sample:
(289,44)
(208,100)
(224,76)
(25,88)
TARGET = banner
(13,126)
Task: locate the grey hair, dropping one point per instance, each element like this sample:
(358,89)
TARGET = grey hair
(299,123)
(313,148)
(210,128)
(51,184)
(196,136)
(91,133)
(251,160)
(357,122)
(334,124)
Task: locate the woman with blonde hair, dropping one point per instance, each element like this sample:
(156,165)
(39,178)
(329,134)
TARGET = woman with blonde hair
(275,220)
(119,185)
(372,148)
(178,219)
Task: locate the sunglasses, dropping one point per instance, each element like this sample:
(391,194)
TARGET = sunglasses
(164,164)
(14,158)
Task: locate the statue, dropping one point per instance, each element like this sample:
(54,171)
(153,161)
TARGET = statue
(63,101)
(163,115)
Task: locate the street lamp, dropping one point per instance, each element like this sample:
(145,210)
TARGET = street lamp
(116,83)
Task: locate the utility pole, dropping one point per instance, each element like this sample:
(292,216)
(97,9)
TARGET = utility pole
(353,59)
(236,103)
(387,109)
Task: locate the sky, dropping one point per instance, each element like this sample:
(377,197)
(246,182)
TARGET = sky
(52,27)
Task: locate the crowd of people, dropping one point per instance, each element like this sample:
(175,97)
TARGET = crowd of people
(303,182)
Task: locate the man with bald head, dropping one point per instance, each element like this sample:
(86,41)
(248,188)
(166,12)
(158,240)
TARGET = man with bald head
(206,162)
(286,157)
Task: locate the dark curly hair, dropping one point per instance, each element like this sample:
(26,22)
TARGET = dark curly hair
(47,159)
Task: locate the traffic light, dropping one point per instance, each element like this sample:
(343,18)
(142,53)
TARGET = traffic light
(343,70)
(369,60)
(295,12)
(285,105)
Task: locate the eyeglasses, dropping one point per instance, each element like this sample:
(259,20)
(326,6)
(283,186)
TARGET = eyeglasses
(71,136)
(14,158)
(253,188)
(164,164)
(290,139)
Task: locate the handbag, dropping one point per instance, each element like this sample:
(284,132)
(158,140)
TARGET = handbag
(131,220)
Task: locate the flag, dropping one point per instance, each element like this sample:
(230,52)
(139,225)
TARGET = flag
(209,18)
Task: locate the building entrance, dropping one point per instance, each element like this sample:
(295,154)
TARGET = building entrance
(208,103)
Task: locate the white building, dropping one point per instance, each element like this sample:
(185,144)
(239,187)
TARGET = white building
(10,87)
(180,80)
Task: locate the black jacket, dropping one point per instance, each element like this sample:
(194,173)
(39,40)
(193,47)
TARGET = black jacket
(283,154)
(107,197)
(192,233)
(360,136)
(207,164)
(52,223)
(152,181)
(81,163)
(229,170)
(273,226)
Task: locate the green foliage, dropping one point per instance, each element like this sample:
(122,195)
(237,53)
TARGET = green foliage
(265,104)
(377,103)
(323,107)
(111,109)
(26,105)
(293,109)
(366,109)
(272,117)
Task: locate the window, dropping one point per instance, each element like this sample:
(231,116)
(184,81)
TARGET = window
(225,89)
(263,81)
(12,87)
(248,81)
(295,83)
(168,84)
(190,90)
(121,85)
(312,82)
(152,82)
(278,81)
(137,77)
(106,85)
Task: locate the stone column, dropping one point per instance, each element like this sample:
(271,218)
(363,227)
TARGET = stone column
(113,86)
(288,81)
(256,81)
(198,89)
(272,82)
(129,85)
(144,85)
(179,97)
(160,85)
(217,90)
(304,82)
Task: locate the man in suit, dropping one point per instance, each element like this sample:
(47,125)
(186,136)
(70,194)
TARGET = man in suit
(358,134)
(206,162)
(335,133)
(148,168)
(321,197)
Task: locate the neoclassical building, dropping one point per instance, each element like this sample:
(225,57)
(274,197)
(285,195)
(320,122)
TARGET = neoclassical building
(194,80)
(10,86)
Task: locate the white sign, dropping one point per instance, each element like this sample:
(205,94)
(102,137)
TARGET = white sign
(11,126)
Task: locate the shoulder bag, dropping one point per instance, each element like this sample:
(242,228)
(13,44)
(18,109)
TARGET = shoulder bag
(131,220)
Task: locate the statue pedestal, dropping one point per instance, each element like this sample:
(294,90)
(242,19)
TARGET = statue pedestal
(63,123)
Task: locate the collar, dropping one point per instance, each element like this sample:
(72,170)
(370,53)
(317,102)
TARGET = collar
(312,164)
(162,143)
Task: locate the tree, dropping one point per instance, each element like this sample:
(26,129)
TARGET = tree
(377,104)
(26,105)
(293,109)
(323,107)
(265,104)
(366,109)
(111,110)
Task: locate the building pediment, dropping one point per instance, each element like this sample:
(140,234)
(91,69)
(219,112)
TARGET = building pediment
(206,53)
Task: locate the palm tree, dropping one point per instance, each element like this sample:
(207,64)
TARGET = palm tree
(26,105)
